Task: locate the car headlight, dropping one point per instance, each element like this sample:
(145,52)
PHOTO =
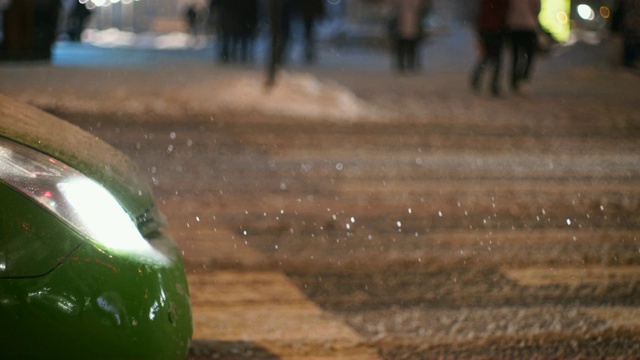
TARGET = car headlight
(76,199)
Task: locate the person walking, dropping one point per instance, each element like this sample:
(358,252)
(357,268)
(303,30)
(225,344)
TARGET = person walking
(247,16)
(45,27)
(311,11)
(491,27)
(626,21)
(280,27)
(522,20)
(225,22)
(77,20)
(17,30)
(406,32)
(191,16)
(236,22)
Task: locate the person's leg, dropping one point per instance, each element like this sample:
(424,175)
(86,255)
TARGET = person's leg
(234,46)
(529,42)
(411,54)
(275,16)
(244,47)
(631,52)
(309,39)
(400,54)
(225,45)
(516,59)
(494,57)
(636,53)
(481,63)
(476,75)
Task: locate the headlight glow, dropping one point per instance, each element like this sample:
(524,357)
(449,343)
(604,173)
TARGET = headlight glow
(76,199)
(97,211)
(586,12)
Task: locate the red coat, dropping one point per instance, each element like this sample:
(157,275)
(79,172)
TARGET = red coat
(492,15)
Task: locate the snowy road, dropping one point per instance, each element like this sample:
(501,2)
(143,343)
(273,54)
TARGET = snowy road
(412,220)
(415,240)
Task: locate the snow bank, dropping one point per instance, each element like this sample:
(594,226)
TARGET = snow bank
(200,93)
(294,95)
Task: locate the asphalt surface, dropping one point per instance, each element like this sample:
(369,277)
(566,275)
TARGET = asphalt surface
(439,223)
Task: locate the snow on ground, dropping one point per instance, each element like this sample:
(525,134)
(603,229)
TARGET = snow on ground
(111,38)
(295,94)
(174,92)
(159,75)
(168,74)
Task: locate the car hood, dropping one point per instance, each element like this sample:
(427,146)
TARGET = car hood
(68,143)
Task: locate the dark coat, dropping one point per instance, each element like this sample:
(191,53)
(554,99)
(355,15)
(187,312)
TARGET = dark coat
(311,9)
(492,15)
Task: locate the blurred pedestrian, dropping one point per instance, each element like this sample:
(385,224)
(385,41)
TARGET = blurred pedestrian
(280,26)
(491,27)
(626,21)
(247,15)
(191,15)
(45,21)
(29,29)
(17,30)
(311,11)
(522,20)
(406,31)
(222,10)
(236,21)
(77,20)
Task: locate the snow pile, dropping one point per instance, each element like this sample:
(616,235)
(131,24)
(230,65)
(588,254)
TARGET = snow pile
(294,95)
(115,38)
(175,94)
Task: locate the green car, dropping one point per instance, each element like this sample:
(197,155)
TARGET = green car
(88,269)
